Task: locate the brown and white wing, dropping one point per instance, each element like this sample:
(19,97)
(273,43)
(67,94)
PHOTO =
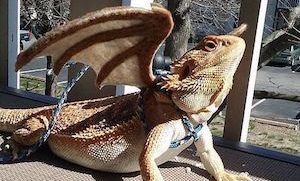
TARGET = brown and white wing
(118,43)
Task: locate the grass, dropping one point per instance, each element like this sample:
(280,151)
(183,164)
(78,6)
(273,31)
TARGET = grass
(32,84)
(272,137)
(37,85)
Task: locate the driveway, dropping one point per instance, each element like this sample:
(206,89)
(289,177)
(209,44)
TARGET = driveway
(278,80)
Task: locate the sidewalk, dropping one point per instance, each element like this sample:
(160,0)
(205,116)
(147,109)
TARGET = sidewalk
(278,80)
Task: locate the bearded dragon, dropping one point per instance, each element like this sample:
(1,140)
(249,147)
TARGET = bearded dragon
(132,132)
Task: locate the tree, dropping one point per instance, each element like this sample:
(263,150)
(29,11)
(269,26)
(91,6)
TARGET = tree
(281,39)
(177,42)
(40,16)
(213,17)
(220,16)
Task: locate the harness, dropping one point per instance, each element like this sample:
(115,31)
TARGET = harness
(193,132)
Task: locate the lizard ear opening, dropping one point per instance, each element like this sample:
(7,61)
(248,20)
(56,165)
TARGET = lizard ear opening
(185,72)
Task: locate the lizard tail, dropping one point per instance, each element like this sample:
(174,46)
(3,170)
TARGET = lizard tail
(12,119)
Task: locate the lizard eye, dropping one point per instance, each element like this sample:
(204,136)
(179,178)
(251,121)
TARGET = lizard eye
(210,45)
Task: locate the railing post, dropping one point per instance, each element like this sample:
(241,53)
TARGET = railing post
(13,42)
(51,79)
(85,88)
(138,3)
(124,89)
(240,98)
(3,42)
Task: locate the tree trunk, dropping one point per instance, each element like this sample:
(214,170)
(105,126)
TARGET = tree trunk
(274,95)
(281,39)
(177,43)
(51,80)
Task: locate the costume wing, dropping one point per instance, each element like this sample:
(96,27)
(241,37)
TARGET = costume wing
(118,43)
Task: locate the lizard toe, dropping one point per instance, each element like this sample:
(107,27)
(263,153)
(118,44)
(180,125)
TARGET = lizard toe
(31,131)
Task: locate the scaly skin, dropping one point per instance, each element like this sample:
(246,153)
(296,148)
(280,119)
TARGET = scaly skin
(12,119)
(108,135)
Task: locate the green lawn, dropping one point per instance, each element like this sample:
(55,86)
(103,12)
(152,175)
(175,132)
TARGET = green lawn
(269,136)
(36,85)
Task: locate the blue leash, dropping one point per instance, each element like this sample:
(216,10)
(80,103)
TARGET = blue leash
(194,133)
(30,149)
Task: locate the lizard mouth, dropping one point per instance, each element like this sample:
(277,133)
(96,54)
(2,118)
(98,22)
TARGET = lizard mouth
(239,30)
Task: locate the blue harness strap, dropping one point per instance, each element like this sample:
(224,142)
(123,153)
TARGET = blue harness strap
(194,133)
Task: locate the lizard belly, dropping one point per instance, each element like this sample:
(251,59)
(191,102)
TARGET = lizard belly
(104,135)
(111,152)
(101,134)
(120,155)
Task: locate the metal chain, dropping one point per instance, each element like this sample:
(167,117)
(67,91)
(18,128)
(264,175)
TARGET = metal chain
(30,149)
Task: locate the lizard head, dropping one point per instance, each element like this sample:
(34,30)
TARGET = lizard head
(212,51)
(203,76)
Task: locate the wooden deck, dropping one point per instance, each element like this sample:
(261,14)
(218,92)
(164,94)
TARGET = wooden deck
(45,166)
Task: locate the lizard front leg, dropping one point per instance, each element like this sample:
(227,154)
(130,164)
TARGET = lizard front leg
(32,129)
(212,161)
(26,126)
(157,142)
(13,119)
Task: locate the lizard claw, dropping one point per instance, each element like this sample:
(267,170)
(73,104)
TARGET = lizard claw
(225,176)
(12,147)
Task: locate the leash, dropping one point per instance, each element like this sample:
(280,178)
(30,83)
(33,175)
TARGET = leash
(194,133)
(26,151)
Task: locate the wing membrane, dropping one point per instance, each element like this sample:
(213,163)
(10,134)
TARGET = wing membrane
(118,43)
